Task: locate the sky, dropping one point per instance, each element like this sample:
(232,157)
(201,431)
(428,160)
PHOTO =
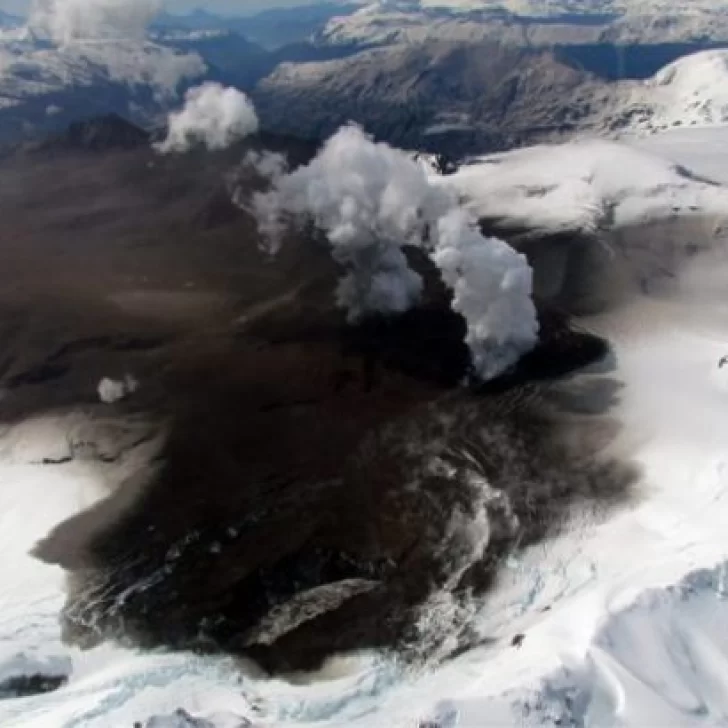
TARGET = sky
(230,7)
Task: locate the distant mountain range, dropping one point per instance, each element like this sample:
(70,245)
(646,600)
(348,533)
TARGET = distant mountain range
(270,29)
(533,22)
(477,77)
(44,86)
(453,76)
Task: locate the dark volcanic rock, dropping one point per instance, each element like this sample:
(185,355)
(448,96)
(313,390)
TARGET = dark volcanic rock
(182,719)
(98,134)
(29,685)
(443,96)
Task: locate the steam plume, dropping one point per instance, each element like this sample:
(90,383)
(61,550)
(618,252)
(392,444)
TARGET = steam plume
(112,34)
(66,20)
(371,200)
(212,115)
(492,286)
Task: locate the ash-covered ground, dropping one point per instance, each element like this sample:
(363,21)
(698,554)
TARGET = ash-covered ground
(301,486)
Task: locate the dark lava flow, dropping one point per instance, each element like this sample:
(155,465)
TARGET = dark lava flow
(318,483)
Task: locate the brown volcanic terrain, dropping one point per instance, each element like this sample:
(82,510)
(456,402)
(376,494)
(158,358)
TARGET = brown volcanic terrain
(316,483)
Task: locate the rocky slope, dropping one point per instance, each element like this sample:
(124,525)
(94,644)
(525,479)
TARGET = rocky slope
(530,21)
(454,77)
(460,97)
(478,76)
(467,98)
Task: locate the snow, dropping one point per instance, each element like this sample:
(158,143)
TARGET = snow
(108,685)
(703,150)
(624,622)
(67,44)
(32,500)
(692,91)
(539,8)
(636,605)
(584,186)
(660,661)
(633,21)
(29,69)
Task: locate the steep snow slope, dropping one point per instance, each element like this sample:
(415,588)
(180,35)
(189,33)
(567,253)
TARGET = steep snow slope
(692,91)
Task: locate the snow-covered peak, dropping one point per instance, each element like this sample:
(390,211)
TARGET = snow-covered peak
(635,21)
(552,8)
(691,91)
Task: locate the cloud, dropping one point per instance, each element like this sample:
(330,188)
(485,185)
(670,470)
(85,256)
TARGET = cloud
(143,64)
(213,115)
(368,199)
(371,201)
(269,165)
(113,390)
(111,35)
(64,21)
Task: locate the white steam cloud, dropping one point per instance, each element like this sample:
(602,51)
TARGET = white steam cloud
(371,200)
(64,21)
(368,200)
(492,287)
(111,34)
(269,165)
(213,115)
